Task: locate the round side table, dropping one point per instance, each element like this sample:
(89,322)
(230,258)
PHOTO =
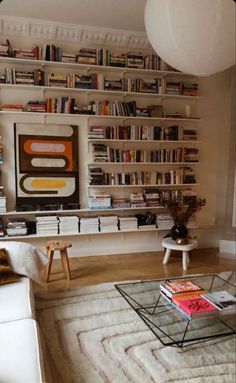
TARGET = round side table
(169,244)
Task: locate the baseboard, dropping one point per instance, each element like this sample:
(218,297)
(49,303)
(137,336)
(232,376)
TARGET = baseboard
(227,249)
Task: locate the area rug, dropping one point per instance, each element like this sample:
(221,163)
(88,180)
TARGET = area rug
(91,335)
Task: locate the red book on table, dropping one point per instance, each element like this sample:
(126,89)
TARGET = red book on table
(197,308)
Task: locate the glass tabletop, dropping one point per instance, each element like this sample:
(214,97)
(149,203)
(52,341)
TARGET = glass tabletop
(167,323)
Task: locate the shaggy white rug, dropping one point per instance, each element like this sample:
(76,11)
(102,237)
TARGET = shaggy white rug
(92,335)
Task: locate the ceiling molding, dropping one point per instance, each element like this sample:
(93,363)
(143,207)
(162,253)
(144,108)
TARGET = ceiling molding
(72,33)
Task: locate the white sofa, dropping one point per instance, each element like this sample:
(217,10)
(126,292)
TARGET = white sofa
(20,351)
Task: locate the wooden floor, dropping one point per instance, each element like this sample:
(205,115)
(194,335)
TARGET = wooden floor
(134,266)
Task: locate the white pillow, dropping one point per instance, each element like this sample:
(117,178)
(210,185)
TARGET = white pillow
(26,259)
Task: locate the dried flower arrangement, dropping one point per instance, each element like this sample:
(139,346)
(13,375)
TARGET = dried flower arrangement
(181,212)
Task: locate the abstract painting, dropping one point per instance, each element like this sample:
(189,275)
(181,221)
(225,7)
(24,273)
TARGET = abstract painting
(46,162)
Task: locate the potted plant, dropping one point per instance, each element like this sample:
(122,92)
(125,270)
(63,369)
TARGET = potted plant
(180,213)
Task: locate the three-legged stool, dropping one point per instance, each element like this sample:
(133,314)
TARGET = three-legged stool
(169,244)
(61,246)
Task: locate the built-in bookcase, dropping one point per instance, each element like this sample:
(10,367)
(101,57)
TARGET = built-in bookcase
(134,133)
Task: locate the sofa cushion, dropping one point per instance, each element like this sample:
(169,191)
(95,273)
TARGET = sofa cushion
(16,301)
(20,357)
(7,275)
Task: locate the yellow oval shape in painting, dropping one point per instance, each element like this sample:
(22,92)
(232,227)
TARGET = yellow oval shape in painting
(48,184)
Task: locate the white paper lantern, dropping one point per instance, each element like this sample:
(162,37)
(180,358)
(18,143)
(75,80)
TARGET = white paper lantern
(193,36)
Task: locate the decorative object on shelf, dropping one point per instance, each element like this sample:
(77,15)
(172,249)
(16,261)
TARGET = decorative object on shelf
(181,212)
(179,233)
(182,241)
(186,45)
(187,110)
(46,160)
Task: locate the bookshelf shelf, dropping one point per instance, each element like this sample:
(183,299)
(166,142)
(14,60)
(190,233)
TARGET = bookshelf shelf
(107,140)
(143,186)
(144,163)
(100,117)
(60,89)
(76,234)
(142,230)
(77,211)
(93,68)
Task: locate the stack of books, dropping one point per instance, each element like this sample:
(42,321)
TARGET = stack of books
(3,201)
(164,221)
(100,201)
(120,201)
(97,176)
(87,56)
(68,225)
(96,131)
(187,297)
(189,89)
(47,225)
(36,106)
(89,225)
(135,60)
(67,57)
(108,224)
(26,54)
(152,197)
(1,228)
(128,223)
(16,227)
(100,153)
(13,107)
(137,200)
(189,134)
(4,49)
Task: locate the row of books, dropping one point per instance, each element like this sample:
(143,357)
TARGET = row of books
(149,197)
(181,176)
(98,81)
(194,302)
(103,108)
(89,56)
(181,88)
(104,153)
(62,104)
(143,132)
(53,224)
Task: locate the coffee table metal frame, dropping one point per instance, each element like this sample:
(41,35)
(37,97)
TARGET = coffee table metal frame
(153,312)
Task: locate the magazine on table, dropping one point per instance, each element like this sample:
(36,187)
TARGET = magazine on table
(223,300)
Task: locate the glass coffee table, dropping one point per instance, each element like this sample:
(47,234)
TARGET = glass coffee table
(170,326)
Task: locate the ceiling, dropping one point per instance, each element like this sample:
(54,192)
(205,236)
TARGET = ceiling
(116,14)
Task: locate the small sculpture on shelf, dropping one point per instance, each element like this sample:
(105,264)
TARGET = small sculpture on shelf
(181,212)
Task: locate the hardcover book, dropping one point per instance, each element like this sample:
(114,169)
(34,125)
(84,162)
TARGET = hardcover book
(181,287)
(197,308)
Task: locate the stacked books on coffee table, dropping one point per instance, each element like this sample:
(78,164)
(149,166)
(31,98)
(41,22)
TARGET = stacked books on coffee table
(193,302)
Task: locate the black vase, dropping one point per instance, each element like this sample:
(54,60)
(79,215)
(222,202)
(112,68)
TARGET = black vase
(178,231)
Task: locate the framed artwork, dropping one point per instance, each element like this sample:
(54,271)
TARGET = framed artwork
(46,164)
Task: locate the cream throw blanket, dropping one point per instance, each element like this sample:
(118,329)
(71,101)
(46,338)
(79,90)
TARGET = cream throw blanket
(26,259)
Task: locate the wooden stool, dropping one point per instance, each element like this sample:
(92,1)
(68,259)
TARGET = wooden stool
(170,244)
(61,246)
